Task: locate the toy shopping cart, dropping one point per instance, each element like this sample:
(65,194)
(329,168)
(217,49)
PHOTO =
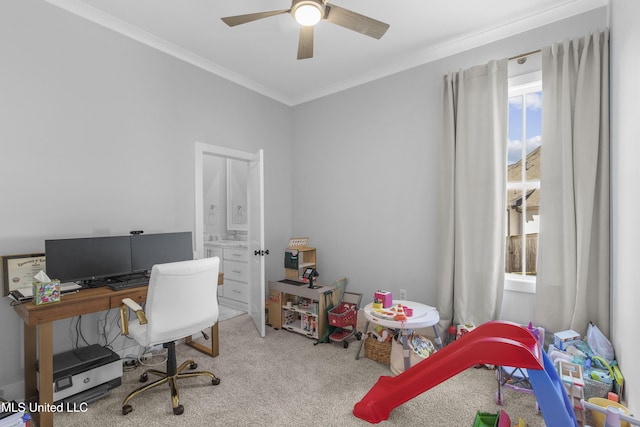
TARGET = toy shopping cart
(517,378)
(344,318)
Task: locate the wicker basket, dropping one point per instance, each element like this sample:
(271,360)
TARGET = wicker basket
(376,350)
(593,388)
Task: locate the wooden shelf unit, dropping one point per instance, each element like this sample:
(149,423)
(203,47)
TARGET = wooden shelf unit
(306,259)
(292,318)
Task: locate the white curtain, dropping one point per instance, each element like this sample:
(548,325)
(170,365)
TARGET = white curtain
(573,249)
(471,208)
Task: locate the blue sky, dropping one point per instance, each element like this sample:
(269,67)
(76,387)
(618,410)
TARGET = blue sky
(534,119)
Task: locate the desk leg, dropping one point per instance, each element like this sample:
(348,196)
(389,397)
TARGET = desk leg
(45,342)
(215,345)
(30,363)
(364,335)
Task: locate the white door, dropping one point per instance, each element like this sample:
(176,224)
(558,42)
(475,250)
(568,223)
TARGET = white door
(255,209)
(257,250)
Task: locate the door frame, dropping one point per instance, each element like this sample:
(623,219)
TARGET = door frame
(200,150)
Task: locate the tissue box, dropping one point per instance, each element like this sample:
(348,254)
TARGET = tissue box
(384,297)
(46,292)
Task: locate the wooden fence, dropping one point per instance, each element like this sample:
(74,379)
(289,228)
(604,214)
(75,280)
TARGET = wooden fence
(513,259)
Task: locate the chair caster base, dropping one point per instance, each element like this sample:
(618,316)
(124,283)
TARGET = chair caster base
(178,410)
(126,409)
(215,381)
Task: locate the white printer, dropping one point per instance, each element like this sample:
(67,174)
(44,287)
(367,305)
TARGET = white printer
(85,374)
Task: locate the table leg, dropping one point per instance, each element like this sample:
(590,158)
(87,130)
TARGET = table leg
(364,335)
(405,348)
(45,342)
(437,339)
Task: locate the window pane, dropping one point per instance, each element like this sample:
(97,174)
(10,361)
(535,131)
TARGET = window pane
(513,248)
(514,153)
(523,224)
(534,135)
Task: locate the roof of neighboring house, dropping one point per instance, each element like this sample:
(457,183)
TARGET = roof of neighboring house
(514,173)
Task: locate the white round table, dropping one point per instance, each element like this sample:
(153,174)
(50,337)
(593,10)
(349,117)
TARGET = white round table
(423,316)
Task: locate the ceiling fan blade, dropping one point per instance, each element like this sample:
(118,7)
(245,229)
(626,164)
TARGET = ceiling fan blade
(232,21)
(305,42)
(355,22)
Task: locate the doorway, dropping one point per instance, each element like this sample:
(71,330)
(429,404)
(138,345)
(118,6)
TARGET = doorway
(229,224)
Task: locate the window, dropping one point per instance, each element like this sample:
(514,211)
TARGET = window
(523,179)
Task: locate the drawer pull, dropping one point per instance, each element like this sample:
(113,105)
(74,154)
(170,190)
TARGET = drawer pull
(237,271)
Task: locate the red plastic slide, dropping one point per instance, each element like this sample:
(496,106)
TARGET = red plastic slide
(495,343)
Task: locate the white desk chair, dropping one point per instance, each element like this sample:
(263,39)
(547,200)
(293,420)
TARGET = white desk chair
(181,301)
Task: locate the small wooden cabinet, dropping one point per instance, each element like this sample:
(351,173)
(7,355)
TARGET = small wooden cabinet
(299,309)
(306,259)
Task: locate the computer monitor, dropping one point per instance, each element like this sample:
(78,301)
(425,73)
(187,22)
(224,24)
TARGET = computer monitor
(87,258)
(150,249)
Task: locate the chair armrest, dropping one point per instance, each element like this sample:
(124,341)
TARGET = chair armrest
(131,304)
(124,318)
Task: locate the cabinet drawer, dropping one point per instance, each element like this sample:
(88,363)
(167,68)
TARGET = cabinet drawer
(236,290)
(240,255)
(236,271)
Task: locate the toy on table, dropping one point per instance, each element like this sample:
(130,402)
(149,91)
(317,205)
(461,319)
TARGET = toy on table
(399,313)
(400,316)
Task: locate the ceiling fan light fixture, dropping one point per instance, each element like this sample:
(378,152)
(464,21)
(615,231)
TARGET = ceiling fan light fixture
(307,13)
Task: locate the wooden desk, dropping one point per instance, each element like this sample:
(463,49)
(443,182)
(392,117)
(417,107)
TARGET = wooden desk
(38,334)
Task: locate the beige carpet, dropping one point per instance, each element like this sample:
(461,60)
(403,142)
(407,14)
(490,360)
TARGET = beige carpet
(286,380)
(226,312)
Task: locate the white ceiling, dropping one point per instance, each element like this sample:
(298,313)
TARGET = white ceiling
(261,55)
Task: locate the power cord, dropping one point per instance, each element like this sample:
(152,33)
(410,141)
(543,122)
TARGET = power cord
(130,364)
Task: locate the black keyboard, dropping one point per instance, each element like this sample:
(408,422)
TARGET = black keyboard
(131,283)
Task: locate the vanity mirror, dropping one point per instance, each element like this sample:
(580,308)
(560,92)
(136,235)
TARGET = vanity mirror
(237,172)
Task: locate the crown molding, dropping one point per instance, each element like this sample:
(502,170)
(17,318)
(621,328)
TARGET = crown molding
(461,44)
(428,54)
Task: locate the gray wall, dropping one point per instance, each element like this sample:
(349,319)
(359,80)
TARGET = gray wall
(365,162)
(97,138)
(625,152)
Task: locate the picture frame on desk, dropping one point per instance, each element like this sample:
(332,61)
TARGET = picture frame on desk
(18,271)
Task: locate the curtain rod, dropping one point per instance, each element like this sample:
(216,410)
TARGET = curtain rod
(523,56)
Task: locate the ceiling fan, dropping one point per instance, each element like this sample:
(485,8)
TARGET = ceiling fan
(308,13)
